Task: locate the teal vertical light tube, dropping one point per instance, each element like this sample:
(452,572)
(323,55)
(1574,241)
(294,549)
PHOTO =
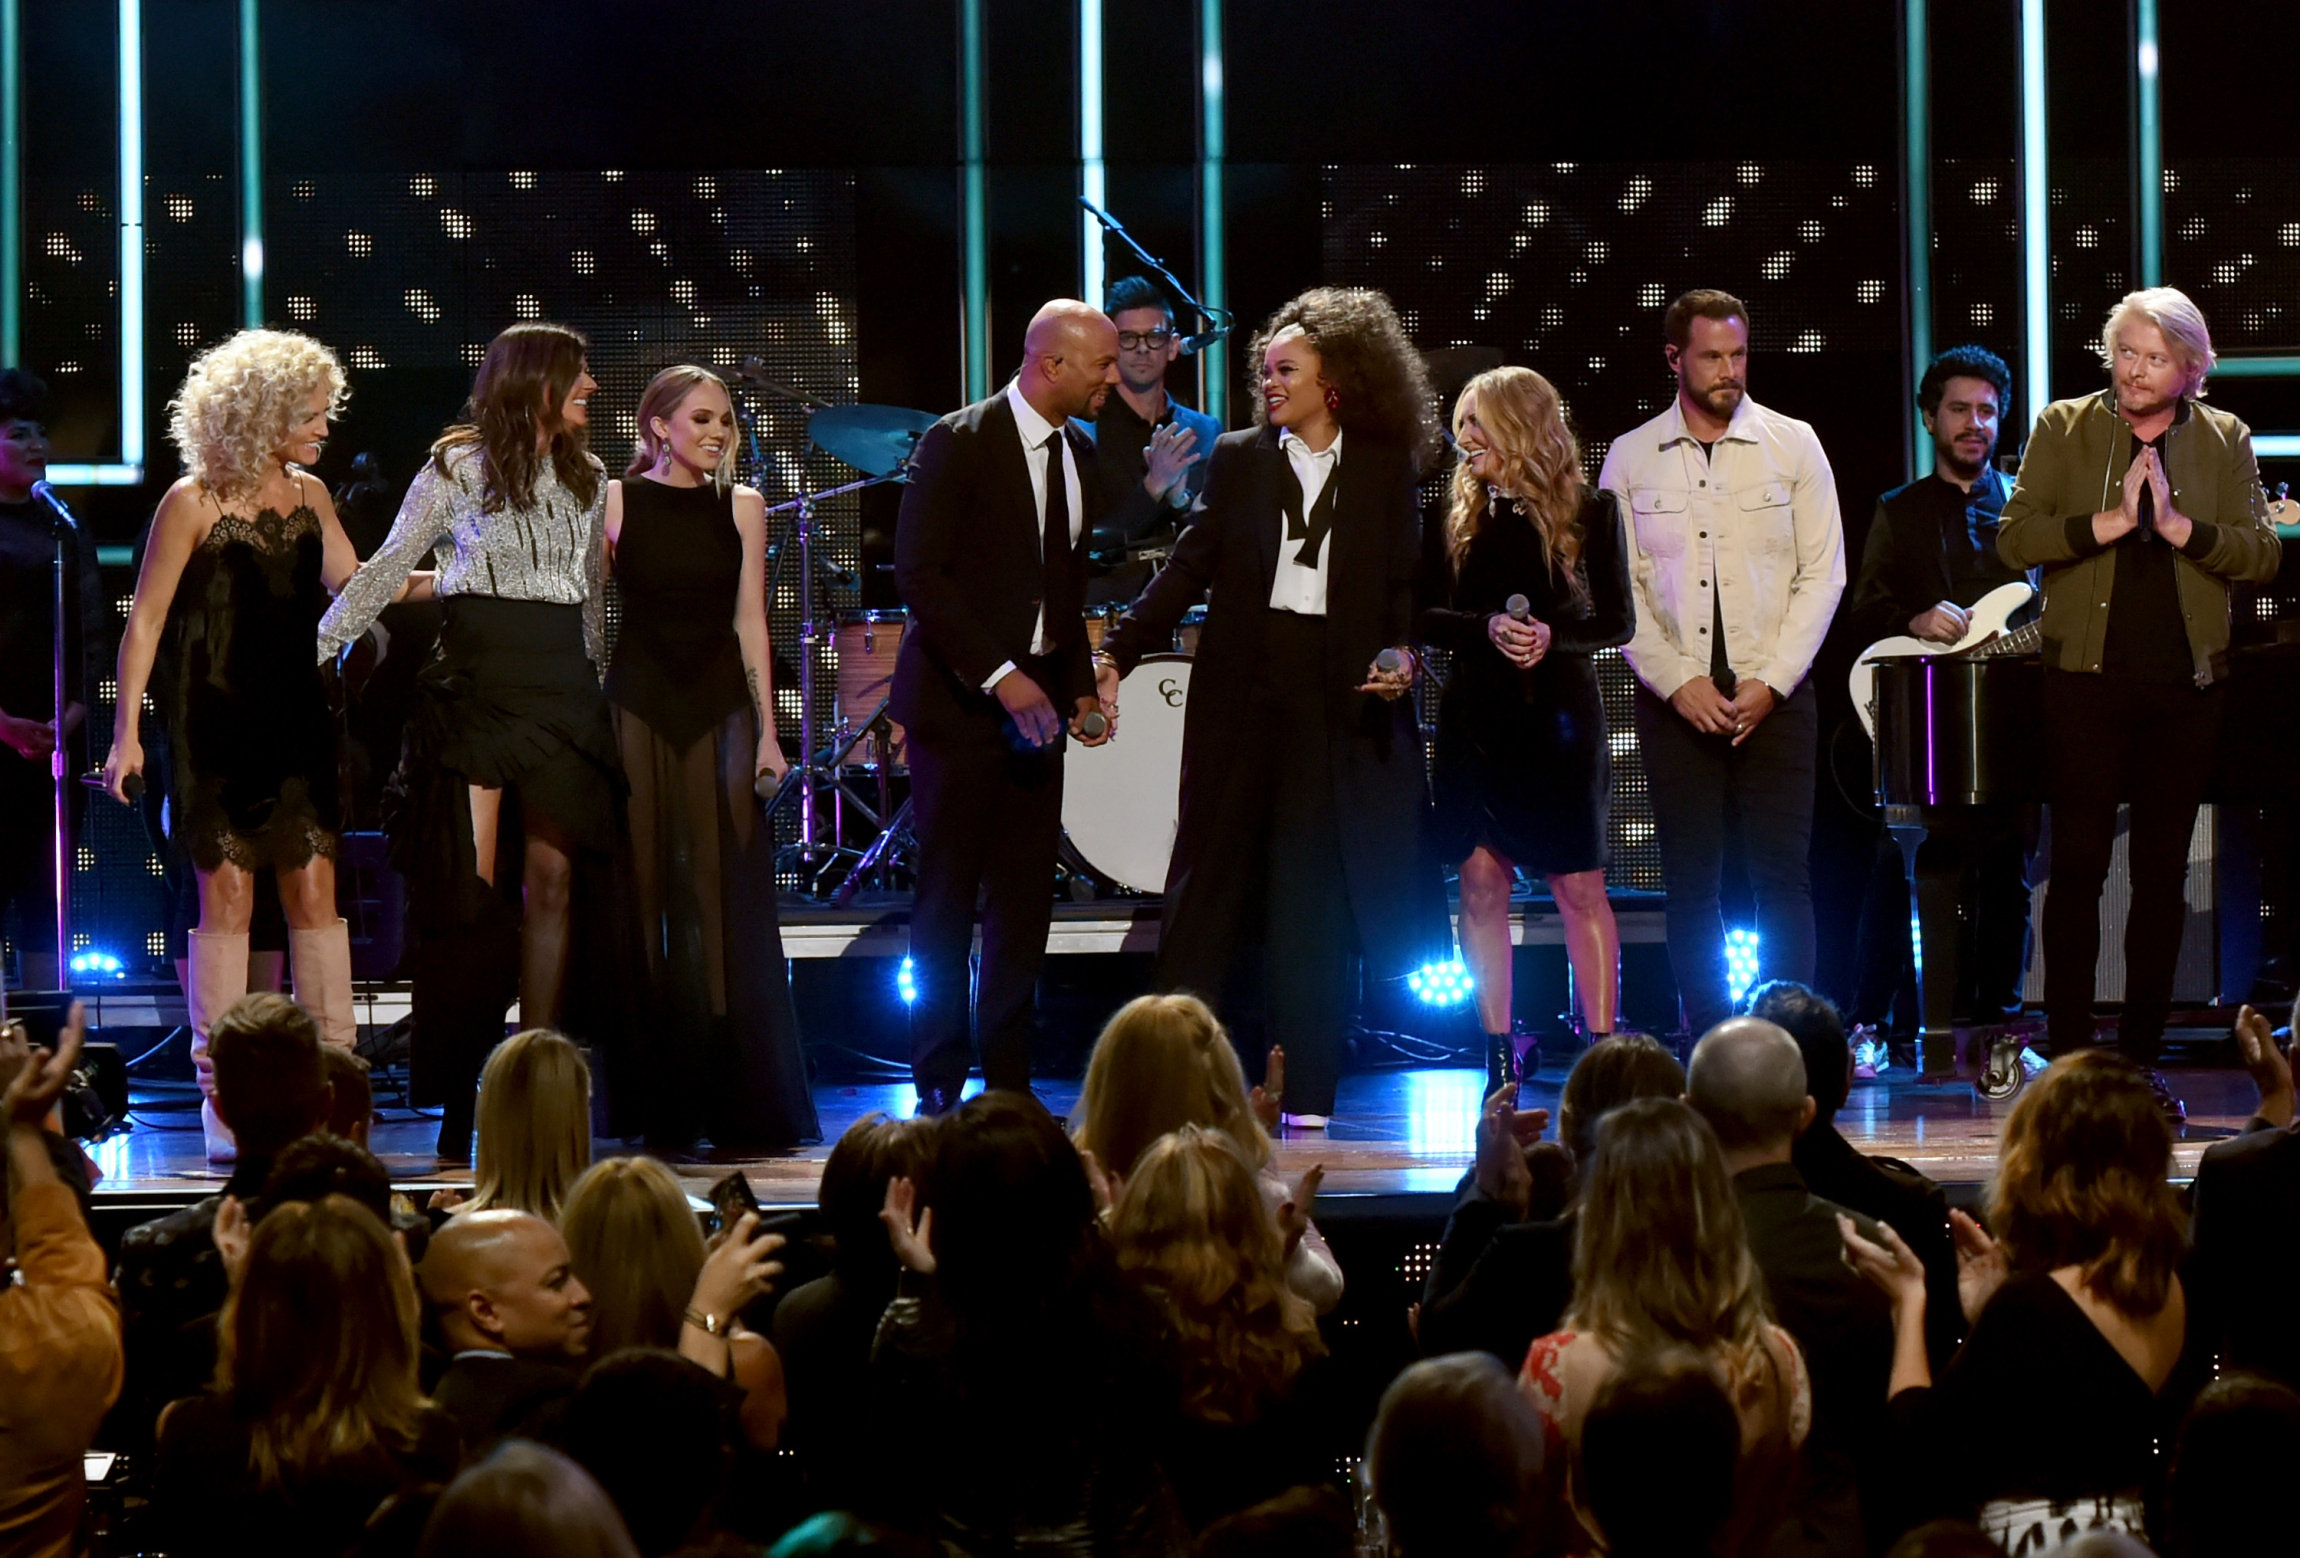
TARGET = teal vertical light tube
(251,164)
(974,206)
(11,185)
(1092,177)
(2150,172)
(1214,361)
(1917,129)
(2036,214)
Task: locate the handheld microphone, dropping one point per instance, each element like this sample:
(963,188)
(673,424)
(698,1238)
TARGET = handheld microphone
(1092,724)
(1193,344)
(1519,608)
(47,494)
(1389,662)
(766,787)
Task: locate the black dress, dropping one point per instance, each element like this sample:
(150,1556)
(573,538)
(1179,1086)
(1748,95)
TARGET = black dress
(1523,765)
(703,860)
(251,736)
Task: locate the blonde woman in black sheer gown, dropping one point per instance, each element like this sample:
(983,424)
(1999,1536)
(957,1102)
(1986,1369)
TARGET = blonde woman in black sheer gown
(693,701)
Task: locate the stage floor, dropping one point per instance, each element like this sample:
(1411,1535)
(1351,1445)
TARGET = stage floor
(1399,1141)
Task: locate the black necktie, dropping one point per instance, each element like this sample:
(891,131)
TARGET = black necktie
(1059,593)
(1311,529)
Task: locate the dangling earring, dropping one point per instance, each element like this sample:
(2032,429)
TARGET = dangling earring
(1333,400)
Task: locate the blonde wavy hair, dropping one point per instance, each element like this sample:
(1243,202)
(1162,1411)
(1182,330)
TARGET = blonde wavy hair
(1659,1255)
(239,402)
(1191,1226)
(1524,421)
(2176,314)
(636,1248)
(316,1347)
(534,1124)
(1163,1062)
(666,393)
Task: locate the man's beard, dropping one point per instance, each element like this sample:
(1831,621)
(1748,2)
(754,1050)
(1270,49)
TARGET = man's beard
(1953,454)
(1720,401)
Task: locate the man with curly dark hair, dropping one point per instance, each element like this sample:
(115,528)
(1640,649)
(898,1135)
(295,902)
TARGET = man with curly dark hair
(1736,559)
(1302,799)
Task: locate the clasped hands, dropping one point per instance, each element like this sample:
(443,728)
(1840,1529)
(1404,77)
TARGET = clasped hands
(1709,711)
(1522,644)
(2147,471)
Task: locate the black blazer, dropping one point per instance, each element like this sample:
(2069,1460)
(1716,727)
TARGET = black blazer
(966,561)
(1229,558)
(2245,1259)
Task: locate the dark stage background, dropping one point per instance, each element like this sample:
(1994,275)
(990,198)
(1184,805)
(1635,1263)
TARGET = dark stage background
(729,177)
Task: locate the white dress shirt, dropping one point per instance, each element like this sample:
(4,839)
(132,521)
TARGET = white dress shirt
(1035,430)
(1295,588)
(1754,525)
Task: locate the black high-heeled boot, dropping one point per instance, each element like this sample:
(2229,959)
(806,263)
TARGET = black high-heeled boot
(1500,1061)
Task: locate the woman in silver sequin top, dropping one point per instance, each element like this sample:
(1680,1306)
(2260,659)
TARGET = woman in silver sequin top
(242,555)
(511,775)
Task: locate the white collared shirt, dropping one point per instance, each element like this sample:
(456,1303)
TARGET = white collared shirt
(1295,588)
(1754,525)
(1035,430)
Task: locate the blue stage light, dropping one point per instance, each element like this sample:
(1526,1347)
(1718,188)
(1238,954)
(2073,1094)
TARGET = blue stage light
(1740,962)
(96,961)
(1441,984)
(905,983)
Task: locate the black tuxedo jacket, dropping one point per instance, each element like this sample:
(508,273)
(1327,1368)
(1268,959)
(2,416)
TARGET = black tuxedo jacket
(2246,1261)
(1229,558)
(966,561)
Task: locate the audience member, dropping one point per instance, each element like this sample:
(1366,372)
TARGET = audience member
(654,1430)
(1455,1460)
(315,1417)
(1298,1523)
(2247,1216)
(1945,1539)
(638,1249)
(1665,1410)
(1660,1261)
(525,1501)
(59,1329)
(513,1319)
(351,1100)
(1191,1228)
(1501,1280)
(534,1125)
(324,1164)
(2241,1440)
(2077,1316)
(1883,1188)
(824,1328)
(270,1089)
(1163,1062)
(1748,1081)
(1027,1380)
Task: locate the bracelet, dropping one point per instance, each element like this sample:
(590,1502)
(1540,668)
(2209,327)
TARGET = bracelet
(709,1325)
(1103,657)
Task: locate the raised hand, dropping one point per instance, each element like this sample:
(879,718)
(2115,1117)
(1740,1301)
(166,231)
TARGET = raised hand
(1981,1265)
(2271,1071)
(36,1076)
(1294,1212)
(1890,1264)
(1107,1187)
(1503,1134)
(1168,456)
(1270,1096)
(739,1270)
(232,1231)
(909,1230)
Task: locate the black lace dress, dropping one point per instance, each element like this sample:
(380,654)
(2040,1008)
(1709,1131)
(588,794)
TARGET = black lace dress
(726,1059)
(252,739)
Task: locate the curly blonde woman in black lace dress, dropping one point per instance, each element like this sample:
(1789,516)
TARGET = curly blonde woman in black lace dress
(244,555)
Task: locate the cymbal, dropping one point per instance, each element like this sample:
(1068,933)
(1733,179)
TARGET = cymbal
(872,439)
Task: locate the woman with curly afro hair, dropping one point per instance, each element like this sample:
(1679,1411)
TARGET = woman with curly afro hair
(1303,801)
(244,554)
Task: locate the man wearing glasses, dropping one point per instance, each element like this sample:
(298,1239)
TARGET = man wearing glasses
(1150,451)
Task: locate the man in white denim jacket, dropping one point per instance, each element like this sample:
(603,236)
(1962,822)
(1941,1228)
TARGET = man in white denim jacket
(1737,560)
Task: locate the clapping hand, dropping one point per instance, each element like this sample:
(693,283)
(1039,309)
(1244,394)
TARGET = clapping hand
(2271,1070)
(909,1228)
(1294,1212)
(1271,1095)
(232,1231)
(1167,458)
(1887,1261)
(1980,1265)
(36,1077)
(1503,1135)
(1107,1187)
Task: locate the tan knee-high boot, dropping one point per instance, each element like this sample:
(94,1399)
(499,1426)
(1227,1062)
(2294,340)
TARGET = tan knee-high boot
(320,963)
(219,977)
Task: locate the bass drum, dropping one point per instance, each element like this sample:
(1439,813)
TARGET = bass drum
(1121,800)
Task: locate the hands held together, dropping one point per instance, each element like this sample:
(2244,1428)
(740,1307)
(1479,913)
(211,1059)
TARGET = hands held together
(1709,711)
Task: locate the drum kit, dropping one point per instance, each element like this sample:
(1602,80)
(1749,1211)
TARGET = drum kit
(1120,800)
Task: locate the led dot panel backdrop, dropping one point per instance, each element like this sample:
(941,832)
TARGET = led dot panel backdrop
(1566,267)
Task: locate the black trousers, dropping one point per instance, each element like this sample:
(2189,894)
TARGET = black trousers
(988,817)
(1279,889)
(1693,778)
(1993,942)
(2111,740)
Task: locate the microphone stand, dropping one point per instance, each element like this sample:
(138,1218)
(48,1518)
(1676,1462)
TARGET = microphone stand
(1220,318)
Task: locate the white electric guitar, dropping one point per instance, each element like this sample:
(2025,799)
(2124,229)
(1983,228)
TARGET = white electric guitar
(1985,636)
